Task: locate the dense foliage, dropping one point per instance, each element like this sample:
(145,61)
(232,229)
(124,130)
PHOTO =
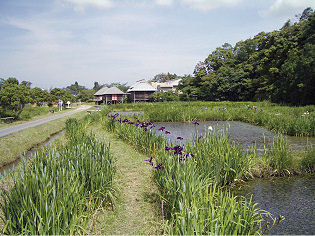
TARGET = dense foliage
(277,66)
(13,97)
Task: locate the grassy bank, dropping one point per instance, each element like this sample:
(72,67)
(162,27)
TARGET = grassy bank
(60,189)
(192,180)
(299,121)
(137,209)
(15,144)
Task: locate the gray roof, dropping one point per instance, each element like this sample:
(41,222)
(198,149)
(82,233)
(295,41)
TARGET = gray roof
(101,91)
(107,91)
(113,90)
(141,85)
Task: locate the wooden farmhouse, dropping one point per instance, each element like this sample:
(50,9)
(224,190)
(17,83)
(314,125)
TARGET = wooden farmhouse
(140,91)
(112,95)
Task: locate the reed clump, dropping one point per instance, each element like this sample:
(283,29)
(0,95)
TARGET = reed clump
(61,187)
(279,158)
(308,160)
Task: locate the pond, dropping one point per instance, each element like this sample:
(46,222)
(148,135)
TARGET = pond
(293,198)
(245,134)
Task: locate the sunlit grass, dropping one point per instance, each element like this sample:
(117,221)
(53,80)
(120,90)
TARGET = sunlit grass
(298,121)
(61,187)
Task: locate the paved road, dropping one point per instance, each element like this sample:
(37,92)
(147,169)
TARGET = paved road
(16,128)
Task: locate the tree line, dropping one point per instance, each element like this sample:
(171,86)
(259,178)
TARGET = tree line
(14,95)
(277,66)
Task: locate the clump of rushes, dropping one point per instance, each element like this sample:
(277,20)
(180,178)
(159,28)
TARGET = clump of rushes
(58,192)
(279,158)
(308,160)
(191,181)
(220,159)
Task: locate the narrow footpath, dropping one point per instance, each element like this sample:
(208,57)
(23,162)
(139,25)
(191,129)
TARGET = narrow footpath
(16,128)
(137,210)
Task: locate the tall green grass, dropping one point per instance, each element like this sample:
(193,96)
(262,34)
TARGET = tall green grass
(299,121)
(60,189)
(308,160)
(279,158)
(191,183)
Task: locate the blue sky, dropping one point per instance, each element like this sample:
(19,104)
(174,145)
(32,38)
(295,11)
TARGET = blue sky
(54,43)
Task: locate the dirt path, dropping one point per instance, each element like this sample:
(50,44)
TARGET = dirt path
(137,210)
(13,129)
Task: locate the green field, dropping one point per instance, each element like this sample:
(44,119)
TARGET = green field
(299,121)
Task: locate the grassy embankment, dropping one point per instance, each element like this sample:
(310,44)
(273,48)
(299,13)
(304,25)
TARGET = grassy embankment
(183,180)
(60,188)
(299,121)
(12,146)
(136,210)
(192,181)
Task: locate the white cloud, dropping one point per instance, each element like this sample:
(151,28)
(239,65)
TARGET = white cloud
(164,2)
(205,5)
(80,5)
(287,8)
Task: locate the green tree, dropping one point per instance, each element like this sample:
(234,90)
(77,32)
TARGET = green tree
(121,86)
(26,83)
(97,86)
(39,96)
(14,97)
(62,94)
(75,87)
(162,77)
(86,95)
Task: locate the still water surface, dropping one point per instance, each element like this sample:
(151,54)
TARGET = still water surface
(245,134)
(293,198)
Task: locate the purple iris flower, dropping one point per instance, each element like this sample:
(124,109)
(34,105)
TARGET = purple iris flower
(195,123)
(192,155)
(177,150)
(145,129)
(159,167)
(150,161)
(137,124)
(162,128)
(167,148)
(152,126)
(179,138)
(167,132)
(200,137)
(130,123)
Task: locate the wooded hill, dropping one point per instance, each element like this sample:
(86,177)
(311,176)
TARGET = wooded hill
(277,66)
